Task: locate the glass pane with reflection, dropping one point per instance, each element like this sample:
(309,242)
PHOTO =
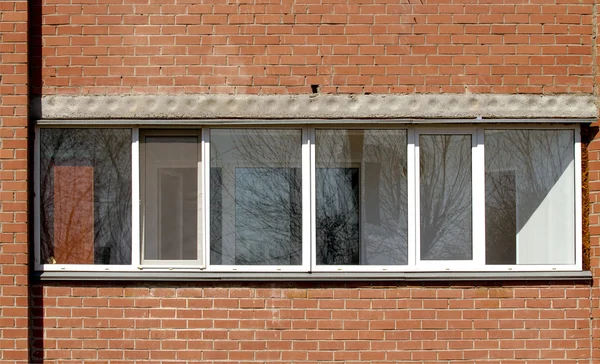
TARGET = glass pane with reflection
(445,184)
(256,197)
(170,197)
(530,197)
(361,197)
(85,196)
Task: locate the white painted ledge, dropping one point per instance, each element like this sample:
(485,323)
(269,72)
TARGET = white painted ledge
(62,107)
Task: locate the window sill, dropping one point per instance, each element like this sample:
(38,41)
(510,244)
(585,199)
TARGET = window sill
(319,277)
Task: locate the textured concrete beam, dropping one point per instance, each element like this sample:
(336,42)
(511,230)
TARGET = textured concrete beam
(314,106)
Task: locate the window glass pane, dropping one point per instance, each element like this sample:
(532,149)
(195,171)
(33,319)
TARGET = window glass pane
(256,197)
(445,184)
(170,195)
(361,197)
(85,202)
(530,197)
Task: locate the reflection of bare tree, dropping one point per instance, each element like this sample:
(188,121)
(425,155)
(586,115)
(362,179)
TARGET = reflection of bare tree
(522,167)
(256,204)
(108,152)
(338,216)
(539,156)
(361,206)
(268,216)
(445,197)
(501,216)
(256,215)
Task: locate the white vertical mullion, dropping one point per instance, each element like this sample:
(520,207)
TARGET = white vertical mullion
(36,199)
(206,197)
(311,133)
(201,228)
(135,197)
(411,179)
(417,199)
(478,198)
(306,199)
(578,201)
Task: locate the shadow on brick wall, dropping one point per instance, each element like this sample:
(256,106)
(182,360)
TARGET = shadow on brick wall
(588,133)
(34,72)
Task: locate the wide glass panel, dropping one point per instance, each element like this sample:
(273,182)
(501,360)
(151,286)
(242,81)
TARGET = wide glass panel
(255,197)
(85,202)
(445,185)
(170,197)
(361,197)
(530,197)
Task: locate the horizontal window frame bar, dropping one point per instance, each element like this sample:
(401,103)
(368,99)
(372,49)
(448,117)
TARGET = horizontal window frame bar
(166,123)
(320,269)
(584,276)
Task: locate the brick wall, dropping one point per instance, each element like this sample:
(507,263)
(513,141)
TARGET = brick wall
(310,323)
(594,229)
(285,46)
(13,182)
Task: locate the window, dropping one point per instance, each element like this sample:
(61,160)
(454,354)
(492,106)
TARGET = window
(309,199)
(256,198)
(361,197)
(171,210)
(530,193)
(85,185)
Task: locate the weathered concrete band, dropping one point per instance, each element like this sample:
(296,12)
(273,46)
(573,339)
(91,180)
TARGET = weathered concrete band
(313,106)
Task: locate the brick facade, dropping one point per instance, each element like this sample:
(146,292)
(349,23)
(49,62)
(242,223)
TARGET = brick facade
(285,46)
(282,322)
(99,47)
(13,183)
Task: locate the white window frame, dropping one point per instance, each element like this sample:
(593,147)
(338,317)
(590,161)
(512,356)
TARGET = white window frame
(578,265)
(477,264)
(410,208)
(477,205)
(198,263)
(306,175)
(38,265)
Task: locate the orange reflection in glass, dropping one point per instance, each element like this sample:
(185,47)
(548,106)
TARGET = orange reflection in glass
(74,214)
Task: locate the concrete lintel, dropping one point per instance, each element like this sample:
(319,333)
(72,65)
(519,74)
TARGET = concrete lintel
(216,106)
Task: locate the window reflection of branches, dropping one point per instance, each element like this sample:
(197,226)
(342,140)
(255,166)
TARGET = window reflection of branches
(361,197)
(256,210)
(108,151)
(529,220)
(445,197)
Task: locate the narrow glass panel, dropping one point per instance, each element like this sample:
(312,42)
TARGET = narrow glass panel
(170,190)
(445,184)
(530,197)
(85,202)
(361,197)
(256,197)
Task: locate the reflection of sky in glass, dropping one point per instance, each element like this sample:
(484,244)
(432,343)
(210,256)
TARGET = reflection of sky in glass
(361,197)
(530,198)
(255,193)
(445,197)
(108,153)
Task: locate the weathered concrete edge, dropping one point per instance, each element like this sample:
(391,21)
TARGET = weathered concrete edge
(216,106)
